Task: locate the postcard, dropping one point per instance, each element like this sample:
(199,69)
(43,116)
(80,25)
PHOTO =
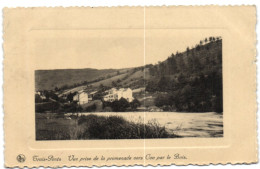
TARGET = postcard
(130,86)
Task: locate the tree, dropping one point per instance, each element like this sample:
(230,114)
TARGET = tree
(181,79)
(120,105)
(190,64)
(46,94)
(151,86)
(163,84)
(38,98)
(197,47)
(114,84)
(56,89)
(173,65)
(219,57)
(181,65)
(161,100)
(53,96)
(188,49)
(196,64)
(162,69)
(91,108)
(153,70)
(201,42)
(206,40)
(134,104)
(72,107)
(70,96)
(101,86)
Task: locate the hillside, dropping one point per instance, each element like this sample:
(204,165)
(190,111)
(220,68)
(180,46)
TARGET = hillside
(67,78)
(190,81)
(132,78)
(194,61)
(106,82)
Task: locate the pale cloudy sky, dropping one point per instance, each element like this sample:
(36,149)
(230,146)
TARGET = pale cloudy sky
(104,49)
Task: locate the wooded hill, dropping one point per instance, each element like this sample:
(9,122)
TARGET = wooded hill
(191,80)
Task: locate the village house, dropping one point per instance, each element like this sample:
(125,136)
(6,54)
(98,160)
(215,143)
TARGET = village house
(81,97)
(116,94)
(42,96)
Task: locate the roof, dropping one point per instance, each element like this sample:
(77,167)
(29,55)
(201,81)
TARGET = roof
(80,92)
(121,89)
(93,92)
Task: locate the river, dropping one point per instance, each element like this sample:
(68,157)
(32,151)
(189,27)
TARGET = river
(183,124)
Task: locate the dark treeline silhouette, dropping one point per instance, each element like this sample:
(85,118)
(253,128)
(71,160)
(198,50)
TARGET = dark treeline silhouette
(190,81)
(122,105)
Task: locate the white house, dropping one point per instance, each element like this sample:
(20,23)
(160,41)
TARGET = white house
(116,94)
(81,97)
(42,96)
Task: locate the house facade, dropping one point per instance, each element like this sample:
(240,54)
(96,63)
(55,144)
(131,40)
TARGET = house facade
(81,98)
(116,94)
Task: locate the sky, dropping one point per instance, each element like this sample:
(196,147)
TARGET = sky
(103,49)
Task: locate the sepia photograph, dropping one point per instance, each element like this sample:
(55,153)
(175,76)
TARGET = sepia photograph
(130,86)
(177,95)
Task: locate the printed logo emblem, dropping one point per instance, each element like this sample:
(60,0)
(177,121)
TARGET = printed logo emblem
(20,158)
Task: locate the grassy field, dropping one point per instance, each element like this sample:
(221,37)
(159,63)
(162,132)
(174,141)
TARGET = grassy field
(128,81)
(52,127)
(49,79)
(132,77)
(108,82)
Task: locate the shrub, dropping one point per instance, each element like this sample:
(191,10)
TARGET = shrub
(161,100)
(91,108)
(118,105)
(134,104)
(72,107)
(47,106)
(107,109)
